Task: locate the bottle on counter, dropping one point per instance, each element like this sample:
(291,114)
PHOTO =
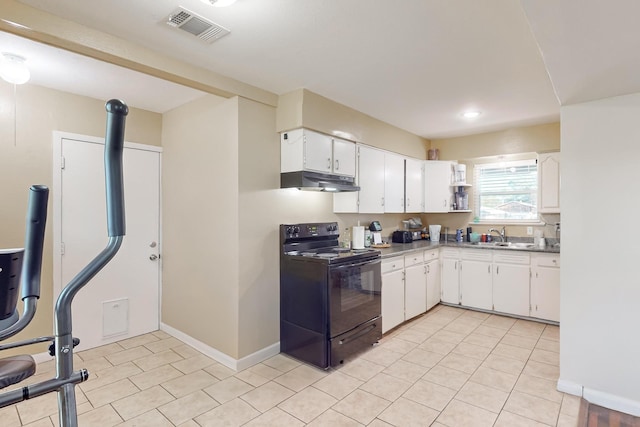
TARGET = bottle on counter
(367,238)
(346,238)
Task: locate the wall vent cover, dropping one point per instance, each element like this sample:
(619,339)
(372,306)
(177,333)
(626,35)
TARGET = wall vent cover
(196,25)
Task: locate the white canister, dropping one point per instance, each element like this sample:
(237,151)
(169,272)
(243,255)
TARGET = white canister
(434,233)
(357,235)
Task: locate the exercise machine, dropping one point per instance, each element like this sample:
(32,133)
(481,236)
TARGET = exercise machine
(20,269)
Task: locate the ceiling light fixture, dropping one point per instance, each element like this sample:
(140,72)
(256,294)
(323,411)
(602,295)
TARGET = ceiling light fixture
(13,69)
(471,114)
(219,3)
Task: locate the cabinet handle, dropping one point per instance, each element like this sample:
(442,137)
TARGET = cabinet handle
(498,270)
(402,202)
(408,202)
(428,269)
(337,164)
(489,269)
(444,204)
(382,201)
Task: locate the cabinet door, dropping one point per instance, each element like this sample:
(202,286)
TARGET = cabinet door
(414,191)
(415,291)
(393,183)
(450,291)
(437,181)
(475,284)
(344,157)
(545,293)
(511,289)
(433,284)
(549,182)
(392,300)
(370,180)
(317,151)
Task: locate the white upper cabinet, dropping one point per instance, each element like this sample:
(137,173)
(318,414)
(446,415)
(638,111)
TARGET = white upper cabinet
(393,183)
(371,179)
(414,181)
(303,149)
(437,182)
(549,182)
(344,157)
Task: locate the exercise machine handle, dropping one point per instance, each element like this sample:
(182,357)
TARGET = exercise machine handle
(113,149)
(34,241)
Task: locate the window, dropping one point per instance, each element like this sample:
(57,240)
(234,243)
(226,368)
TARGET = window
(506,191)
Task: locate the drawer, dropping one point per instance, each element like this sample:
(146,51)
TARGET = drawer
(450,253)
(504,257)
(477,254)
(547,260)
(392,264)
(413,258)
(431,254)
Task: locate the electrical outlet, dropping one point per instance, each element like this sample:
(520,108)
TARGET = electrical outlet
(529,231)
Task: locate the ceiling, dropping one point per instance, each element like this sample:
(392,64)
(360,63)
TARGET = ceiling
(417,66)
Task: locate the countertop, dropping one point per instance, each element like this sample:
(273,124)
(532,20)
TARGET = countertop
(403,248)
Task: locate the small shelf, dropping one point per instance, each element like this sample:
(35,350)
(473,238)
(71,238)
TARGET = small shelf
(460,210)
(460,184)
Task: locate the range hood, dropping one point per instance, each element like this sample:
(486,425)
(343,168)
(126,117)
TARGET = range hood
(316,181)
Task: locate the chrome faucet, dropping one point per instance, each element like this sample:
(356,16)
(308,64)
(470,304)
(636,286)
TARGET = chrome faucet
(501,233)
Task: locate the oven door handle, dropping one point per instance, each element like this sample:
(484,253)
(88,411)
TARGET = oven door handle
(358,264)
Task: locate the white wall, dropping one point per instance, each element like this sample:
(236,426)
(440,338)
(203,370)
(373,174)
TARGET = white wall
(600,296)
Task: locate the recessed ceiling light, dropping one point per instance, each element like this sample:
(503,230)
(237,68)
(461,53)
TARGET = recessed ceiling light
(471,114)
(219,3)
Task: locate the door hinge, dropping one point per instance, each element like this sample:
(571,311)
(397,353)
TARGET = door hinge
(62,162)
(62,248)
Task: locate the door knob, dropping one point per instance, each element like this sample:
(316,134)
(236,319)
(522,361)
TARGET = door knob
(153,257)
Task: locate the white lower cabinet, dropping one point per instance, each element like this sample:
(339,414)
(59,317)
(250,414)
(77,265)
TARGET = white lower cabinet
(511,273)
(450,279)
(519,283)
(432,265)
(415,285)
(392,292)
(475,279)
(545,286)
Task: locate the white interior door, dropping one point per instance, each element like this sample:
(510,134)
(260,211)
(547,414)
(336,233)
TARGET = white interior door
(122,300)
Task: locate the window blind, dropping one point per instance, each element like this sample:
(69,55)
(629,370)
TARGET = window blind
(506,190)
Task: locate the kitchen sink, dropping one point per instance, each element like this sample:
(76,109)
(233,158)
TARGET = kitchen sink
(511,245)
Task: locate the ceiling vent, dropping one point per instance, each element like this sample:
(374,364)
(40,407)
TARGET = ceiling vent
(195,24)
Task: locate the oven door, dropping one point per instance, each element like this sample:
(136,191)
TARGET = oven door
(354,294)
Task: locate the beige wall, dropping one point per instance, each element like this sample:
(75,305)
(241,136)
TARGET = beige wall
(528,139)
(200,221)
(27,160)
(303,108)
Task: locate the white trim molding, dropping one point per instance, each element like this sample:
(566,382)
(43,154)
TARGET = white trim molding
(611,401)
(601,398)
(218,356)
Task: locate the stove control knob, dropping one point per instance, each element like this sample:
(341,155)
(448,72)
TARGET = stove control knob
(289,231)
(296,229)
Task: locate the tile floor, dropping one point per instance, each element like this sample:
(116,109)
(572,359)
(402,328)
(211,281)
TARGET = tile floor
(450,367)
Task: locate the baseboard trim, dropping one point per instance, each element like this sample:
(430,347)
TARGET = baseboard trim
(258,356)
(218,356)
(601,398)
(617,403)
(570,388)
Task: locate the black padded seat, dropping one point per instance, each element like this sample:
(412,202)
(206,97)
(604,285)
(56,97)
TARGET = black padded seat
(14,369)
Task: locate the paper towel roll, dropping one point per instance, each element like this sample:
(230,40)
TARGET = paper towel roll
(358,237)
